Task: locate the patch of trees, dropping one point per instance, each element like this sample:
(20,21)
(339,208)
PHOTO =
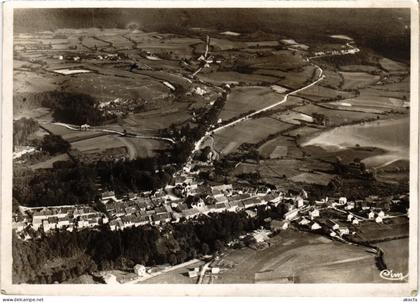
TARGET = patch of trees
(54,144)
(73,108)
(145,245)
(319,118)
(133,176)
(69,185)
(22,129)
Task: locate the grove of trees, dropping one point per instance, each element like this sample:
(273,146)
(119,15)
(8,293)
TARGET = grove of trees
(75,253)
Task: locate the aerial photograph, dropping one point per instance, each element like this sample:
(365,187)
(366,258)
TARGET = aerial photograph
(211,145)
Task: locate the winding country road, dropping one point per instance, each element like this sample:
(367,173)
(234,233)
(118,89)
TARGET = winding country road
(118,132)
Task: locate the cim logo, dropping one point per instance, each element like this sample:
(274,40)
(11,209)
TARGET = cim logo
(390,275)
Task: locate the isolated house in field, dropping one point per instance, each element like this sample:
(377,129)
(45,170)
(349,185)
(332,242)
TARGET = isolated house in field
(139,270)
(84,127)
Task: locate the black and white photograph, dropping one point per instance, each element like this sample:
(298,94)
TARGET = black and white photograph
(211,146)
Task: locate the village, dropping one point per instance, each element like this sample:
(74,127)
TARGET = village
(186,198)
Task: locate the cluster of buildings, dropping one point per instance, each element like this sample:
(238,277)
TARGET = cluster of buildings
(69,218)
(164,206)
(336,217)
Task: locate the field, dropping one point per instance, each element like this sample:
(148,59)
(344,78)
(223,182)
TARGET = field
(98,144)
(293,78)
(370,231)
(392,66)
(288,168)
(244,99)
(250,131)
(301,258)
(335,117)
(231,77)
(333,79)
(108,87)
(396,254)
(147,123)
(317,178)
(48,164)
(355,80)
(293,117)
(318,93)
(359,68)
(289,144)
(373,101)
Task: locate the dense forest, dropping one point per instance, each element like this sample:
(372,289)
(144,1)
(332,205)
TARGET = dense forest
(75,183)
(61,186)
(74,108)
(65,255)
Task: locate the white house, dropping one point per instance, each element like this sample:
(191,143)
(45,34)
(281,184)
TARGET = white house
(140,270)
(381,214)
(378,219)
(314,213)
(299,202)
(342,200)
(371,215)
(349,217)
(110,279)
(84,127)
(343,231)
(304,221)
(291,214)
(355,221)
(315,226)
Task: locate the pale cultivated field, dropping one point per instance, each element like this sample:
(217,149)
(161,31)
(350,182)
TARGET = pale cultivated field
(309,258)
(245,99)
(250,131)
(336,117)
(355,80)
